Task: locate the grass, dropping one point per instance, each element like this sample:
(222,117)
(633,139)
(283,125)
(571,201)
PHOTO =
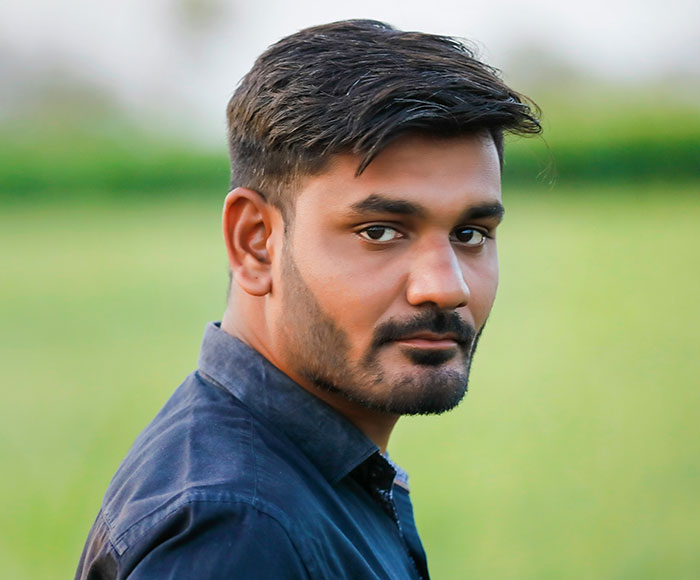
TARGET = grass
(575,454)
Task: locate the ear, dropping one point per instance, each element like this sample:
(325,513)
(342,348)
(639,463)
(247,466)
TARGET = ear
(247,222)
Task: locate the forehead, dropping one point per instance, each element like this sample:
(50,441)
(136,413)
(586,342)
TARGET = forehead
(439,175)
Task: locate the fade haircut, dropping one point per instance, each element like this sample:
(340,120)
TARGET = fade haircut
(354,87)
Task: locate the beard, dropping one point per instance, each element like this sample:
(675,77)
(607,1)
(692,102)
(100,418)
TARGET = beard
(318,350)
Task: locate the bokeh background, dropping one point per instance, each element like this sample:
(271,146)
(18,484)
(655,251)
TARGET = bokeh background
(576,453)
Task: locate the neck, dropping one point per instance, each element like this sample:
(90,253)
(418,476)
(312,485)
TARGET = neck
(375,425)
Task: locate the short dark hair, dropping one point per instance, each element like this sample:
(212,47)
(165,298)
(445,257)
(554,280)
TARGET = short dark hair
(353,87)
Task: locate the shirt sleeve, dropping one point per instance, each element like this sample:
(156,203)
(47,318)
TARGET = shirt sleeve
(215,541)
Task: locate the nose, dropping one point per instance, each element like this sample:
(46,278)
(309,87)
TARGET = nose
(436,277)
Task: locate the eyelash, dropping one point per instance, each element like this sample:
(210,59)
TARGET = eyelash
(485,233)
(378,227)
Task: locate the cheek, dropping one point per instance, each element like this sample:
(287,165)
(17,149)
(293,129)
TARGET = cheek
(353,290)
(351,296)
(483,284)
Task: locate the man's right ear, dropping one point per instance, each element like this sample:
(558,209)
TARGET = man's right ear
(247,222)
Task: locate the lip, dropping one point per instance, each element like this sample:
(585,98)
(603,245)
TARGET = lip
(429,340)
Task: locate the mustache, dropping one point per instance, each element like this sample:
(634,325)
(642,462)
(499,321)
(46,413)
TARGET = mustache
(437,321)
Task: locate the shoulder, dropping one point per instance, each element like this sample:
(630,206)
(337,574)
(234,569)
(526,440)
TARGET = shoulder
(200,536)
(204,466)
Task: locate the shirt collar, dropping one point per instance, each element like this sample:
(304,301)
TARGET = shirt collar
(330,441)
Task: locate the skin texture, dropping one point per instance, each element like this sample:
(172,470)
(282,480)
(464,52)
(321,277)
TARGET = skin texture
(374,297)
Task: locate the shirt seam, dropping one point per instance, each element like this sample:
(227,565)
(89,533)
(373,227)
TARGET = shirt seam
(257,506)
(183,499)
(110,533)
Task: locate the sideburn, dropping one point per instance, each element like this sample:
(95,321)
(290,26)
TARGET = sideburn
(317,349)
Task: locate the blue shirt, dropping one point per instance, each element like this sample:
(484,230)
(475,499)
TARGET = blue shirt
(245,474)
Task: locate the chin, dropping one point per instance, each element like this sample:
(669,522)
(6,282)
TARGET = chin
(429,357)
(428,391)
(418,391)
(421,382)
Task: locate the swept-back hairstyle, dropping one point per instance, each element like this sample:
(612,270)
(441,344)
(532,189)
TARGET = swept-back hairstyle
(353,87)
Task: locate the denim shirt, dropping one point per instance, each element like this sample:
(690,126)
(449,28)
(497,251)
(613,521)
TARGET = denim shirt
(245,474)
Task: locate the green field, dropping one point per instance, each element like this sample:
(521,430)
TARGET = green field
(575,455)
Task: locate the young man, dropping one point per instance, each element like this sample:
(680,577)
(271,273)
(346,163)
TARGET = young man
(360,231)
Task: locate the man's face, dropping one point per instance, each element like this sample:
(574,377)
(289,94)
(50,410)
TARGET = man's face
(386,280)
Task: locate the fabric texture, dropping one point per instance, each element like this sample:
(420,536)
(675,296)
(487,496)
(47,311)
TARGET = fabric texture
(244,474)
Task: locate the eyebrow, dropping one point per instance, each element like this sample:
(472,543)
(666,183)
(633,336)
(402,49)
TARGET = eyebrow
(485,210)
(377,203)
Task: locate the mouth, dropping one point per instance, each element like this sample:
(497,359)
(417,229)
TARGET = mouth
(429,340)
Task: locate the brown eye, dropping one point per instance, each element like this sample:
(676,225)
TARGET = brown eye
(379,234)
(470,236)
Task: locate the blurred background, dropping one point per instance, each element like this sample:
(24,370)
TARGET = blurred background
(576,453)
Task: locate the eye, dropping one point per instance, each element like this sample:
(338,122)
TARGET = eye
(379,234)
(470,236)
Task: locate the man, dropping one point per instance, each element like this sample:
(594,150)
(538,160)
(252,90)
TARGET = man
(360,228)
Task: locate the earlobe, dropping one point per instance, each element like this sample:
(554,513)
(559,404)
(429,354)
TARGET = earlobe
(247,227)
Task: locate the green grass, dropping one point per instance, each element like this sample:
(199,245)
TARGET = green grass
(575,454)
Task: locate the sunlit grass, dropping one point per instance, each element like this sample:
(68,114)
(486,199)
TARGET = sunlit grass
(575,454)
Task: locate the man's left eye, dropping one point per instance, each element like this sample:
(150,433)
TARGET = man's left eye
(379,234)
(470,236)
